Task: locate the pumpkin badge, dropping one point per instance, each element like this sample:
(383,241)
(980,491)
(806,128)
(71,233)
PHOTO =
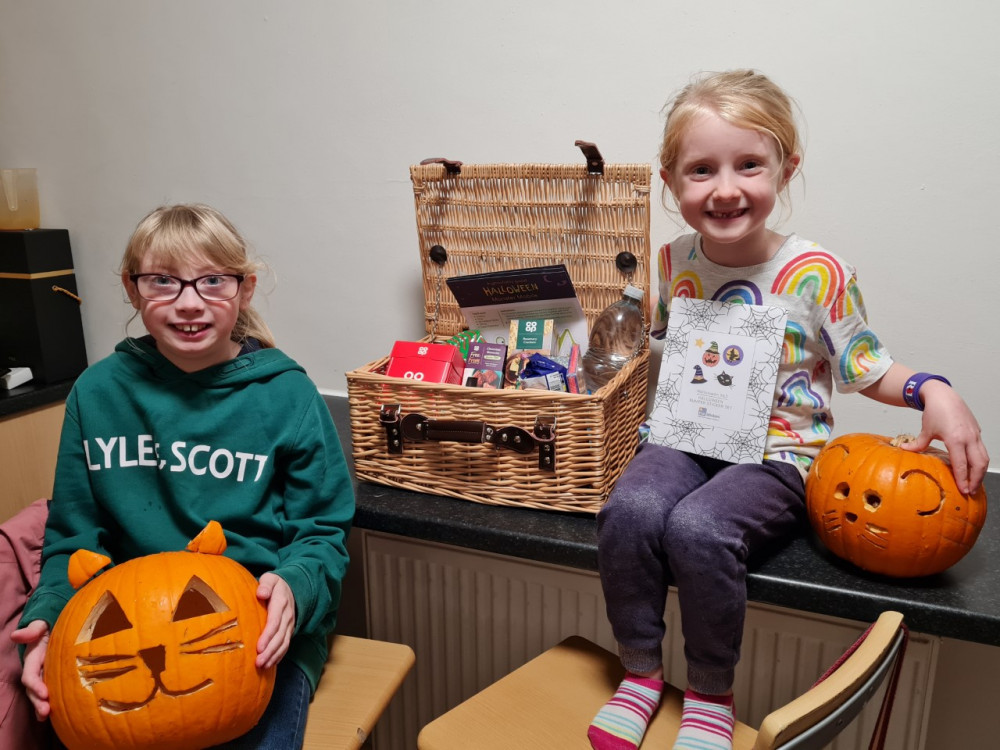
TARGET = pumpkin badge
(158,652)
(891,511)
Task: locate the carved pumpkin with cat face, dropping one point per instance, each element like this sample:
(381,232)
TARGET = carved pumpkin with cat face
(891,511)
(158,652)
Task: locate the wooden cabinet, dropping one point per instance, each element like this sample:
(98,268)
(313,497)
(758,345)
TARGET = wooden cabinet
(29,444)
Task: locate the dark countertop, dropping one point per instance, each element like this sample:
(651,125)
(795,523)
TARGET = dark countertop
(963,602)
(32,395)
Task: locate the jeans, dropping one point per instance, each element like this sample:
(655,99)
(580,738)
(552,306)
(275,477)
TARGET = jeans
(283,725)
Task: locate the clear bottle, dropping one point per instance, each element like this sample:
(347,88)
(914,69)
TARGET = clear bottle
(615,338)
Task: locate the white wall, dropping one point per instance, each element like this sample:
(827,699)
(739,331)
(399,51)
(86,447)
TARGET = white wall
(298,119)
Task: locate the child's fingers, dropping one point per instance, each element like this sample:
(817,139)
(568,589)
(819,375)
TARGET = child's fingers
(30,633)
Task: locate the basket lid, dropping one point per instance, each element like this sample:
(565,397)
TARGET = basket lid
(475,219)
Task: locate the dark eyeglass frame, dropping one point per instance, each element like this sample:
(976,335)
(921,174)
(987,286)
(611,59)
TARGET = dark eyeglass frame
(134,277)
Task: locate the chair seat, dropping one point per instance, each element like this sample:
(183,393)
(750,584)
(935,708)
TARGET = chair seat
(549,703)
(360,679)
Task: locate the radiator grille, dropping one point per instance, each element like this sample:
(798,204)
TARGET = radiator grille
(472,617)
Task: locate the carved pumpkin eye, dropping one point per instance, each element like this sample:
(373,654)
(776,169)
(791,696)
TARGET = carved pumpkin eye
(198,599)
(105,618)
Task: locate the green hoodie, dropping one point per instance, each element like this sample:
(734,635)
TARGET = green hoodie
(150,454)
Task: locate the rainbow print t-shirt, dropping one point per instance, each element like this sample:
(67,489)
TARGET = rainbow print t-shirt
(827,338)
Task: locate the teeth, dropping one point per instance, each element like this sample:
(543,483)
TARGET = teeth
(190,328)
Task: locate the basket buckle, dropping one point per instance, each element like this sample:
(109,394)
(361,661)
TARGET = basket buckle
(388,416)
(545,439)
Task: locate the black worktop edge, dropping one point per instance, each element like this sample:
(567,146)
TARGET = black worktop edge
(32,395)
(961,603)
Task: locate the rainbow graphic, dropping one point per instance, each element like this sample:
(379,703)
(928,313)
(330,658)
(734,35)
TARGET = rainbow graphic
(822,423)
(780,427)
(688,285)
(803,462)
(661,315)
(816,276)
(827,340)
(793,347)
(796,391)
(663,262)
(739,292)
(861,353)
(852,300)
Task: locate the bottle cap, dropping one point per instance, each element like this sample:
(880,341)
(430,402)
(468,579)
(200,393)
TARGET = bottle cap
(633,291)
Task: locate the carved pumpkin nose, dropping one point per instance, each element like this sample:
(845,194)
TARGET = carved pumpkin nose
(155,658)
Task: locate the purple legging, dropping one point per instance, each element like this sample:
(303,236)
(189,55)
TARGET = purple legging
(679,518)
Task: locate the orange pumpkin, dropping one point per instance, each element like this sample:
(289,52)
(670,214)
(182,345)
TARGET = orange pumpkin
(891,511)
(158,652)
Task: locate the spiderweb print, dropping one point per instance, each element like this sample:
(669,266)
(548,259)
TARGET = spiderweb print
(760,322)
(762,381)
(675,344)
(679,433)
(743,445)
(667,392)
(701,415)
(704,317)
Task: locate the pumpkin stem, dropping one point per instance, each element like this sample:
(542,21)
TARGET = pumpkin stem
(210,540)
(83,564)
(900,439)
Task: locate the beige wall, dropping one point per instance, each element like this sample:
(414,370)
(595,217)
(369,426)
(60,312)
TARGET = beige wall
(299,120)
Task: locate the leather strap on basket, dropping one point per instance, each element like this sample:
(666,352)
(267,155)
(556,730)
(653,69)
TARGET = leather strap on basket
(418,429)
(595,162)
(450,165)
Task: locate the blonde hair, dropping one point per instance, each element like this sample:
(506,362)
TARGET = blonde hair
(744,98)
(176,233)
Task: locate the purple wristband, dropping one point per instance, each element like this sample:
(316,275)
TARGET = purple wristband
(911,391)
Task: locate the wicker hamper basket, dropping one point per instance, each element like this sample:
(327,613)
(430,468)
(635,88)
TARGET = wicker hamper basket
(590,218)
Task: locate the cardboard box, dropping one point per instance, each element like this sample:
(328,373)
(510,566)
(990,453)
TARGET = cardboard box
(484,367)
(426,362)
(531,336)
(40,323)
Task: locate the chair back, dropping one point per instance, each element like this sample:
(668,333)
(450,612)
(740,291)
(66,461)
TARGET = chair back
(815,718)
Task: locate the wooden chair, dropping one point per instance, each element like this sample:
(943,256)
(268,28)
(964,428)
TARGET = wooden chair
(550,701)
(360,679)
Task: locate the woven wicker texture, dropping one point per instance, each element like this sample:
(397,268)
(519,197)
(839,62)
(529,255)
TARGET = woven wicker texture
(501,217)
(494,217)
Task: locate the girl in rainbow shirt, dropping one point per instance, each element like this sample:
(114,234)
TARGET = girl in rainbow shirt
(730,147)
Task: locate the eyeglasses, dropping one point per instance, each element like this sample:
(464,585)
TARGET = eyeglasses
(161,287)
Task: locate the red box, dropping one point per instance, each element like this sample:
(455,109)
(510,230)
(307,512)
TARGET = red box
(426,362)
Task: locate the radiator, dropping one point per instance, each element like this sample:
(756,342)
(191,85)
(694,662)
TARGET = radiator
(472,617)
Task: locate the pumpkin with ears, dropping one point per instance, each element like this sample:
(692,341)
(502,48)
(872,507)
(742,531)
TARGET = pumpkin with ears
(158,652)
(891,511)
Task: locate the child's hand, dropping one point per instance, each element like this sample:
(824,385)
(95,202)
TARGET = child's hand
(273,642)
(35,639)
(948,418)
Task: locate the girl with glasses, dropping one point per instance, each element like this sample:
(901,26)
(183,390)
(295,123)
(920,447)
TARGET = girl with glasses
(203,419)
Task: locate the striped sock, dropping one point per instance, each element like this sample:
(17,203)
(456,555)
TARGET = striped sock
(706,722)
(622,722)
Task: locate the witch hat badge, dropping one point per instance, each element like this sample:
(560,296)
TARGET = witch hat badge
(699,376)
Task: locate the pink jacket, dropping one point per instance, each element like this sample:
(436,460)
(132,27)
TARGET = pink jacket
(20,564)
